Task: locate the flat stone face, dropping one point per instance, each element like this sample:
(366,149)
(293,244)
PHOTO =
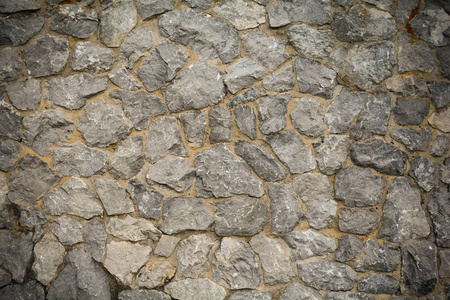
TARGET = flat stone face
(202,4)
(142,295)
(86,56)
(10,65)
(221,124)
(377,257)
(9,153)
(423,172)
(72,159)
(195,289)
(439,119)
(431,25)
(249,95)
(272,113)
(149,8)
(20,5)
(173,172)
(311,42)
(307,117)
(250,295)
(166,245)
(127,160)
(74,20)
(414,56)
(242,14)
(16,31)
(331,153)
(122,78)
(113,197)
(443,56)
(378,284)
(15,253)
(116,21)
(285,208)
(67,230)
(25,95)
(315,12)
(440,145)
(245,119)
(135,44)
(153,275)
(241,216)
(214,37)
(410,86)
(193,256)
(297,291)
(242,74)
(147,201)
(440,212)
(314,78)
(94,238)
(349,246)
(194,127)
(308,243)
(281,81)
(132,229)
(404,8)
(410,111)
(414,140)
(10,122)
(358,220)
(438,91)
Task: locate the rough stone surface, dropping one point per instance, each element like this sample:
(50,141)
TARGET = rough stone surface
(202,4)
(307,117)
(408,85)
(410,111)
(86,56)
(122,78)
(439,93)
(310,11)
(127,160)
(413,140)
(314,78)
(134,46)
(377,257)
(67,230)
(9,153)
(423,172)
(193,256)
(153,275)
(221,124)
(358,220)
(113,26)
(309,41)
(272,113)
(440,212)
(404,8)
(173,172)
(249,95)
(443,56)
(348,296)
(280,81)
(73,20)
(132,229)
(142,295)
(17,30)
(250,295)
(94,238)
(5,278)
(331,153)
(245,119)
(349,246)
(166,245)
(29,290)
(297,291)
(444,269)
(242,74)
(242,14)
(10,122)
(113,197)
(431,25)
(15,253)
(31,216)
(72,159)
(25,95)
(194,127)
(285,208)
(147,201)
(10,64)
(20,5)
(195,289)
(440,145)
(378,284)
(309,243)
(149,8)
(414,56)
(439,119)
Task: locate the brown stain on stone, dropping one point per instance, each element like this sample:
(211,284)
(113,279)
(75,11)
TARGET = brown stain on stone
(408,27)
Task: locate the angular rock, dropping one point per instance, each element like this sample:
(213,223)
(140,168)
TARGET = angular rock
(127,160)
(214,37)
(113,197)
(15,253)
(116,21)
(409,85)
(143,295)
(314,78)
(272,113)
(349,296)
(250,295)
(195,289)
(431,25)
(149,8)
(307,117)
(9,153)
(132,229)
(49,255)
(166,245)
(10,64)
(3,189)
(310,11)
(31,216)
(410,111)
(444,269)
(439,91)
(317,194)
(240,216)
(17,30)
(122,78)
(155,274)
(19,5)
(439,119)
(414,140)
(300,292)
(221,124)
(440,216)
(172,172)
(194,127)
(135,45)
(148,201)
(358,220)
(423,172)
(29,290)
(94,238)
(331,153)
(377,257)
(245,119)
(5,278)
(193,256)
(74,20)
(25,95)
(309,41)
(72,159)
(88,57)
(48,56)
(414,56)
(443,56)
(378,284)
(181,214)
(440,146)
(383,157)
(309,243)
(67,230)
(281,81)
(202,4)
(349,246)
(242,74)
(403,10)
(381,4)
(249,95)
(242,14)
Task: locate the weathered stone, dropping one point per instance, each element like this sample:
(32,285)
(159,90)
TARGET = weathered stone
(250,295)
(166,245)
(423,172)
(358,220)
(409,85)
(314,78)
(71,92)
(444,58)
(10,64)
(17,30)
(143,294)
(272,113)
(444,171)
(307,117)
(310,11)
(378,284)
(349,246)
(444,268)
(149,8)
(3,189)
(29,290)
(383,157)
(281,81)
(132,229)
(127,160)
(114,26)
(102,125)
(363,65)
(202,4)
(25,95)
(19,5)
(285,208)
(317,194)
(48,56)
(439,91)
(242,74)
(155,274)
(377,257)
(419,267)
(414,56)
(214,37)
(113,197)
(148,201)
(331,153)
(349,296)
(431,25)
(9,215)
(71,159)
(74,20)
(15,253)
(242,14)
(221,124)
(49,255)
(9,153)
(94,238)
(30,180)
(181,214)
(135,45)
(67,230)
(300,292)
(440,145)
(440,216)
(439,119)
(195,289)
(309,243)
(5,278)
(122,78)
(86,56)
(242,216)
(193,256)
(404,9)
(194,127)
(310,41)
(326,275)
(410,111)
(172,172)
(275,263)
(245,119)
(381,4)
(249,95)
(414,140)
(31,216)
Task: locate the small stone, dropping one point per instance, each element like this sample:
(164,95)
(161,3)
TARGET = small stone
(377,257)
(193,256)
(73,91)
(309,243)
(149,8)
(15,253)
(48,56)
(86,56)
(414,140)
(148,201)
(280,81)
(72,159)
(19,5)
(235,266)
(349,296)
(122,78)
(113,197)
(410,111)
(194,127)
(221,124)
(440,216)
(439,91)
(310,11)
(300,292)
(17,30)
(314,78)
(243,73)
(250,295)
(195,289)
(249,95)
(403,10)
(311,42)
(358,220)
(49,254)
(272,113)
(113,31)
(423,172)
(132,229)
(326,275)
(29,290)
(94,238)
(439,119)
(431,25)
(5,279)
(155,274)
(166,245)
(409,86)
(331,153)
(127,160)
(440,146)
(143,294)
(74,20)
(307,117)
(383,157)
(67,230)
(30,180)
(31,216)
(349,246)
(242,14)
(135,45)
(72,197)
(443,56)
(172,172)
(9,153)
(245,119)
(25,95)
(414,56)
(10,64)
(181,214)
(317,194)
(444,269)
(378,284)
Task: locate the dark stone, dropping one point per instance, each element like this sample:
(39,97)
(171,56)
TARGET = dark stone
(431,25)
(410,111)
(8,7)
(31,290)
(135,45)
(423,172)
(439,209)
(221,123)
(311,11)
(25,95)
(377,257)
(414,140)
(249,95)
(143,294)
(414,56)
(127,160)
(444,58)
(86,56)
(94,238)
(10,65)
(148,201)
(9,153)
(358,220)
(17,30)
(272,113)
(31,216)
(245,119)
(194,127)
(310,41)
(10,122)
(349,246)
(439,91)
(314,78)
(149,8)
(74,20)
(15,253)
(378,284)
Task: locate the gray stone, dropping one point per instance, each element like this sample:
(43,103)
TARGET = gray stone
(122,78)
(331,153)
(410,111)
(359,187)
(74,20)
(143,294)
(54,2)
(311,11)
(404,9)
(155,274)
(30,180)
(326,275)
(9,153)
(242,14)
(300,292)
(207,89)
(67,230)
(47,56)
(194,127)
(193,256)
(309,243)
(149,8)
(349,246)
(275,263)
(127,160)
(31,216)
(245,119)
(181,214)
(132,229)
(116,21)
(414,56)
(307,117)
(173,172)
(439,119)
(148,201)
(377,257)
(202,4)
(439,91)
(440,216)
(383,157)
(363,23)
(272,113)
(358,220)
(381,4)
(317,194)
(243,73)
(29,290)
(5,278)
(86,56)
(25,95)
(250,295)
(423,172)
(94,238)
(72,159)
(135,45)
(249,95)
(3,189)
(102,125)
(17,30)
(373,117)
(444,171)
(113,197)
(72,197)
(431,25)
(73,91)
(440,146)
(378,284)
(280,81)
(166,245)
(444,268)
(285,208)
(444,58)
(408,86)
(363,65)
(9,215)
(314,78)
(310,41)
(235,266)
(237,180)
(15,253)
(348,296)
(344,109)
(209,37)
(414,140)
(19,5)
(43,129)
(49,255)
(221,124)
(195,289)
(419,268)
(10,64)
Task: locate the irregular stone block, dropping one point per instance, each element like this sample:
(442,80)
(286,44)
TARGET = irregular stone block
(221,124)
(127,160)
(116,21)
(31,216)
(444,268)
(142,295)
(440,145)
(413,56)
(243,73)
(242,14)
(403,10)
(408,86)
(285,208)
(431,25)
(349,246)
(20,5)
(155,274)
(72,159)
(10,64)
(132,229)
(307,117)
(202,4)
(94,238)
(348,296)
(440,216)
(149,8)
(272,113)
(413,140)
(71,19)
(314,78)
(25,95)
(280,81)
(250,295)
(194,126)
(17,30)
(249,95)
(193,256)
(358,220)
(331,153)
(86,56)
(245,119)
(309,41)
(113,197)
(439,91)
(15,253)
(423,172)
(67,230)
(378,284)
(9,153)
(377,257)
(297,291)
(166,245)
(173,172)
(439,119)
(443,56)
(134,46)
(122,78)
(308,243)
(31,290)
(148,201)
(195,289)
(310,11)
(410,111)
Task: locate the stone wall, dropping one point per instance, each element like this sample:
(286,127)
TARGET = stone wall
(239,149)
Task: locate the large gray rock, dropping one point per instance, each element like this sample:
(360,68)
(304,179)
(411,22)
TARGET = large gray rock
(349,246)
(414,56)
(314,78)
(173,172)
(292,151)
(378,284)
(280,81)
(29,290)
(132,229)
(155,274)
(317,194)
(102,125)
(67,230)
(440,216)
(307,117)
(440,146)
(194,127)
(237,180)
(88,57)
(135,45)
(432,25)
(242,74)
(94,238)
(241,216)
(363,65)
(15,253)
(17,30)
(409,86)
(74,20)
(147,201)
(10,64)
(249,95)
(439,119)
(195,289)
(31,216)
(377,257)
(242,14)
(143,294)
(423,172)
(272,113)
(122,78)
(358,220)
(207,89)
(410,111)
(25,95)
(72,159)
(300,292)
(403,216)
(326,275)
(315,12)
(443,56)
(9,153)
(181,214)
(47,56)
(149,8)
(221,124)
(73,91)
(209,37)
(310,41)
(439,91)
(285,209)
(116,21)
(245,119)
(43,129)
(414,140)
(19,5)
(331,153)
(127,160)
(113,197)
(250,295)
(166,245)
(306,244)
(193,256)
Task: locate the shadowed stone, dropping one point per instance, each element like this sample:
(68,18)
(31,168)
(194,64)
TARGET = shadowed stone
(29,290)
(381,4)
(173,172)
(309,243)
(414,140)
(410,111)
(116,21)
(10,64)
(440,145)
(132,229)
(148,201)
(166,245)
(377,257)
(242,14)
(349,296)
(431,25)
(9,153)
(15,253)
(49,254)
(423,172)
(134,46)
(285,208)
(113,197)
(194,126)
(193,256)
(18,5)
(307,117)
(86,56)
(439,91)
(143,295)
(414,56)
(31,216)
(314,78)
(72,159)
(272,113)
(25,95)
(358,220)
(249,95)
(444,269)
(440,216)
(349,246)
(94,238)
(122,78)
(280,81)
(403,10)
(444,58)
(74,20)
(245,119)
(331,153)
(300,292)
(221,124)
(67,230)
(155,274)
(149,8)
(17,30)
(439,119)
(310,41)
(409,86)
(242,74)
(311,11)
(378,284)
(195,289)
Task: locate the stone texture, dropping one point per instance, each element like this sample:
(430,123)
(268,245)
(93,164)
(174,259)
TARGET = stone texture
(377,257)
(243,73)
(310,41)
(331,153)
(250,295)
(431,25)
(285,208)
(147,201)
(143,294)
(414,56)
(17,30)
(72,159)
(122,78)
(31,216)
(444,268)
(349,246)
(443,56)
(127,160)
(309,243)
(378,284)
(404,8)
(194,127)
(358,220)
(413,140)
(314,78)
(310,11)
(408,85)
(272,113)
(94,238)
(307,117)
(300,292)
(10,122)
(166,245)
(74,20)
(155,274)
(9,153)
(10,64)
(439,93)
(172,172)
(15,253)
(245,119)
(349,296)
(249,95)
(202,4)
(5,278)
(67,230)
(242,14)
(113,197)
(423,172)
(221,124)
(195,289)
(439,119)
(193,256)
(149,8)
(440,216)
(410,111)
(86,56)
(134,46)
(440,145)
(280,81)
(20,5)
(25,95)
(113,26)
(132,229)
(29,290)
(49,254)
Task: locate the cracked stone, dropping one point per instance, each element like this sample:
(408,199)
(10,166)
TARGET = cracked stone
(9,153)
(272,113)
(349,246)
(440,216)
(414,140)
(15,253)
(431,25)
(315,12)
(10,64)
(112,196)
(94,238)
(148,201)
(410,111)
(20,5)
(195,289)
(135,45)
(331,153)
(414,56)
(381,4)
(444,58)
(245,119)
(439,119)
(193,256)
(31,216)
(155,274)
(377,257)
(309,41)
(280,81)
(314,78)
(173,172)
(358,220)
(307,117)
(149,8)
(221,123)
(67,230)
(439,91)
(440,145)
(74,20)
(25,95)
(409,86)
(122,78)
(378,284)
(242,74)
(194,127)
(285,208)
(250,295)
(249,95)
(127,160)
(242,14)
(116,21)
(166,245)
(72,159)
(423,172)
(132,229)
(17,30)
(300,292)
(309,243)
(86,56)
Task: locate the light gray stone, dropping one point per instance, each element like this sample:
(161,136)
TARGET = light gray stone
(316,12)
(444,171)
(378,284)
(431,25)
(250,295)
(300,292)
(9,153)
(127,160)
(439,93)
(31,216)
(3,189)
(331,153)
(242,14)
(358,220)
(25,95)
(249,95)
(67,230)
(94,238)
(440,145)
(147,201)
(193,256)
(309,243)
(310,41)
(243,73)
(88,57)
(221,123)
(439,119)
(173,172)
(149,8)
(19,5)
(408,86)
(194,127)
(440,213)
(155,274)
(143,294)
(349,246)
(285,209)
(122,78)
(272,113)
(29,290)
(414,56)
(10,64)
(245,119)
(116,21)
(132,229)
(10,122)
(113,197)
(166,245)
(307,117)
(195,289)
(280,81)
(17,30)
(134,46)
(314,78)
(74,20)
(16,249)
(414,140)
(377,257)
(381,4)
(410,111)
(72,159)
(423,172)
